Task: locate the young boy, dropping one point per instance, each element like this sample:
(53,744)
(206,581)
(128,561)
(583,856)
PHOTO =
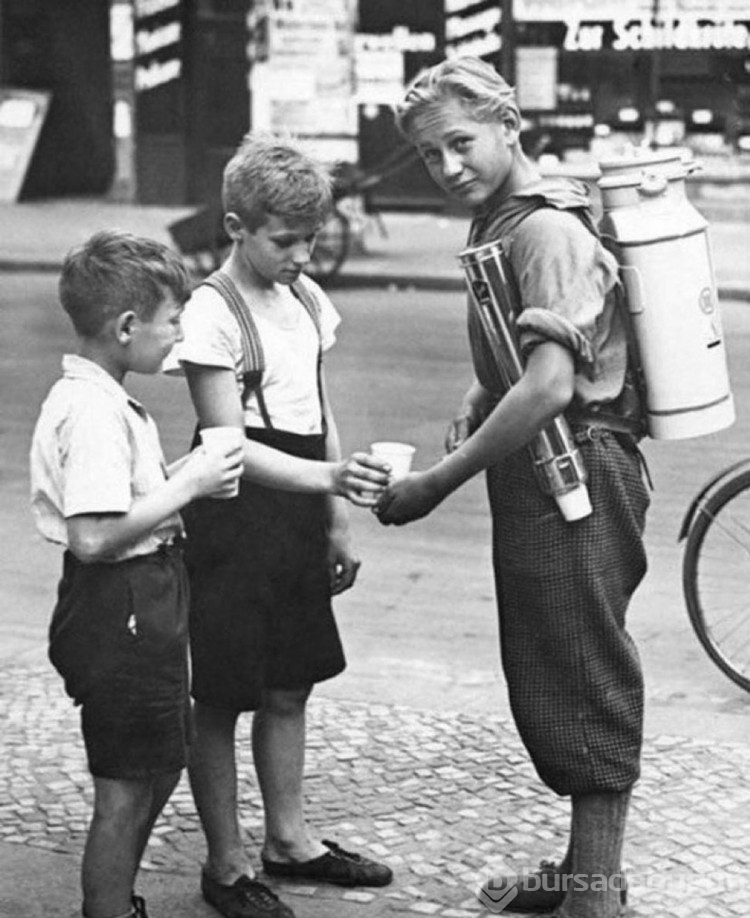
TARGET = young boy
(100,488)
(263,568)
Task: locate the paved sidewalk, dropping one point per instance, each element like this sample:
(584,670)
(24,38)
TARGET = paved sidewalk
(439,796)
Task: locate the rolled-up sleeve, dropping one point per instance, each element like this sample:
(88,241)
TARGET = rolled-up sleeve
(564,274)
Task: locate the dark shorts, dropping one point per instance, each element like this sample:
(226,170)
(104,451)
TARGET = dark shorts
(260,613)
(118,637)
(573,672)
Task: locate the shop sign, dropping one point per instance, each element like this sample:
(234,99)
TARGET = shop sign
(148,41)
(157,73)
(609,10)
(672,34)
(144,8)
(400,39)
(149,72)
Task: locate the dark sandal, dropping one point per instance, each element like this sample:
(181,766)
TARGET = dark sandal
(342,868)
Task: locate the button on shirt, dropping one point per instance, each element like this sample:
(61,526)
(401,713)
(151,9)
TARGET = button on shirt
(95,450)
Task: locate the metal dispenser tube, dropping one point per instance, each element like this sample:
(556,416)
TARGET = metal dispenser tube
(558,464)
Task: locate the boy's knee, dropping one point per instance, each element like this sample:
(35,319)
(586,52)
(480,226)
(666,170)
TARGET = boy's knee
(285,702)
(126,801)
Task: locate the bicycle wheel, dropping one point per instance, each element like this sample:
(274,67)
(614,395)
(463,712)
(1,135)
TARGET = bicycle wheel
(716,576)
(331,247)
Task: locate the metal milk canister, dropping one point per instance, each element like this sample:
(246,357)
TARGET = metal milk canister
(661,243)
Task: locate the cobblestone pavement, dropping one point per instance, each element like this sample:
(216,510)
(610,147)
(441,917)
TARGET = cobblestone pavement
(439,796)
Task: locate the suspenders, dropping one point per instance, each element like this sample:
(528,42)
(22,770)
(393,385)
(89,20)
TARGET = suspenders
(253,358)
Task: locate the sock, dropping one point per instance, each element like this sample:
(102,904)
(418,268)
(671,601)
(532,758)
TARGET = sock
(598,827)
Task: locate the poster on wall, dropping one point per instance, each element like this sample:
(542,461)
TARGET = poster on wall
(536,78)
(302,77)
(22,114)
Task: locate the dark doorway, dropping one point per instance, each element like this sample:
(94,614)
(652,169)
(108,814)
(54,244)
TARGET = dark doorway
(218,97)
(63,48)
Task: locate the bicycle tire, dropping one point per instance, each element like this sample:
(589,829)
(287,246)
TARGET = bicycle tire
(331,247)
(716,576)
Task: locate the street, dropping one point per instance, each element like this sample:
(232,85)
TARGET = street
(420,625)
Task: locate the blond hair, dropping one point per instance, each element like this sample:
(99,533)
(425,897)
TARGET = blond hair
(470,80)
(269,174)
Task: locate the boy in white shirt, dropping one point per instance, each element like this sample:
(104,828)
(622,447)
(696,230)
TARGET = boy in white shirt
(100,488)
(263,568)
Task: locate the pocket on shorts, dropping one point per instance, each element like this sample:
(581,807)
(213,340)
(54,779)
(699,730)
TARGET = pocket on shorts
(157,619)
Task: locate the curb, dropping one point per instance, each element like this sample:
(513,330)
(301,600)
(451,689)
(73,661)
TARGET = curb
(348,280)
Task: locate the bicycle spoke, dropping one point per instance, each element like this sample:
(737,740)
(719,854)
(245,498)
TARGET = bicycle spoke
(723,524)
(717,576)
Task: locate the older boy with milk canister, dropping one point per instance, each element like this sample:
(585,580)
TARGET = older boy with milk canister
(564,586)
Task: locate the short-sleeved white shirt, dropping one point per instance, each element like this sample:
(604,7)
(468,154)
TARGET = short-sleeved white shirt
(290,380)
(94,450)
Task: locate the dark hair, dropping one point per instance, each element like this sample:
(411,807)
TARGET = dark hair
(470,80)
(272,175)
(113,272)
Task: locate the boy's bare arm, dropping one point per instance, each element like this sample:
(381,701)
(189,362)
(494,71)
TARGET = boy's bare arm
(544,390)
(98,536)
(343,562)
(217,403)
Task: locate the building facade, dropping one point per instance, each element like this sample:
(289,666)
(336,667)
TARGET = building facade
(147,98)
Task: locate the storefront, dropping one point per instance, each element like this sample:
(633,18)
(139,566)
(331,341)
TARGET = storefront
(148,98)
(667,71)
(181,97)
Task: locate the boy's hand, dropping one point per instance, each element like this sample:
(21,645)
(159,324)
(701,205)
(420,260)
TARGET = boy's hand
(459,430)
(408,499)
(212,472)
(343,564)
(361,479)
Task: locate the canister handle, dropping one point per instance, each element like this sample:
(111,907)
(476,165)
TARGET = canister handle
(636,294)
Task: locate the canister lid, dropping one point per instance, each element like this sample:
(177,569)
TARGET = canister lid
(640,161)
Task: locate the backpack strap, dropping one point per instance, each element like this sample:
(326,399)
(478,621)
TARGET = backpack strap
(253,359)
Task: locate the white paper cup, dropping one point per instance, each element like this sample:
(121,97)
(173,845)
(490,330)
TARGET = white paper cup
(575,504)
(223,440)
(397,455)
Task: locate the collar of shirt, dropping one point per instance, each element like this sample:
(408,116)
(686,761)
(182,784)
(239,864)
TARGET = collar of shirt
(76,367)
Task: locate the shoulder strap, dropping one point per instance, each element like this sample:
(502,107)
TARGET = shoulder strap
(309,301)
(253,359)
(312,306)
(252,348)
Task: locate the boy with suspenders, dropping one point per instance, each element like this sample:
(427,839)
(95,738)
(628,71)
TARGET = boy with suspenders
(263,567)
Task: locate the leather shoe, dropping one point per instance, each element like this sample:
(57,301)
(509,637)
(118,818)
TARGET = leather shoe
(342,868)
(245,898)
